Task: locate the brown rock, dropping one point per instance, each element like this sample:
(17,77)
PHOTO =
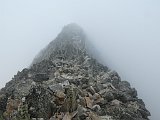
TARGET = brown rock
(89,102)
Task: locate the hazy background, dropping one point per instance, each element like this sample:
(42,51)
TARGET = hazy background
(126,32)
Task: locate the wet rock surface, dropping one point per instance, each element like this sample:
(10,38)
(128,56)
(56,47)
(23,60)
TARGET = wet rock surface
(66,83)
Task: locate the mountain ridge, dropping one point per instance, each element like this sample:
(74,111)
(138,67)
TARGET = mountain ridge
(70,34)
(67,82)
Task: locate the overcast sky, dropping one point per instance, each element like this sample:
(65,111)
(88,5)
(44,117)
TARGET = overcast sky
(126,32)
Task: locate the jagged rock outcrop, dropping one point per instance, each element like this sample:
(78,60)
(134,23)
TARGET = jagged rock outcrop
(65,82)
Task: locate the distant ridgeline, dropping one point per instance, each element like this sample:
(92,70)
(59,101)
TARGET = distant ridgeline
(66,82)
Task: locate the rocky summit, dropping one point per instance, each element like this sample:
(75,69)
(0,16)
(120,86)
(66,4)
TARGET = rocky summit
(66,82)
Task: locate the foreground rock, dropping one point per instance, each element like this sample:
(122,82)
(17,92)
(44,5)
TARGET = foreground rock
(66,83)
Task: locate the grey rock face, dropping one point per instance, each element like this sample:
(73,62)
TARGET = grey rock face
(65,82)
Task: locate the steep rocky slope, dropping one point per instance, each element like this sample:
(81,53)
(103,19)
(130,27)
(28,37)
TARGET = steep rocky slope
(65,82)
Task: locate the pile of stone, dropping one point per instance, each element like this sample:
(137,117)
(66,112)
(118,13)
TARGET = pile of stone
(76,87)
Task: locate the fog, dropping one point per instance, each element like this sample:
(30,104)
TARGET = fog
(126,32)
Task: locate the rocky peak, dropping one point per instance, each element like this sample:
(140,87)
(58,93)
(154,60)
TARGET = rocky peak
(66,83)
(69,44)
(71,34)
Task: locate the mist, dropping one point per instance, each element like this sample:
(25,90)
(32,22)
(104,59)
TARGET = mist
(126,33)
